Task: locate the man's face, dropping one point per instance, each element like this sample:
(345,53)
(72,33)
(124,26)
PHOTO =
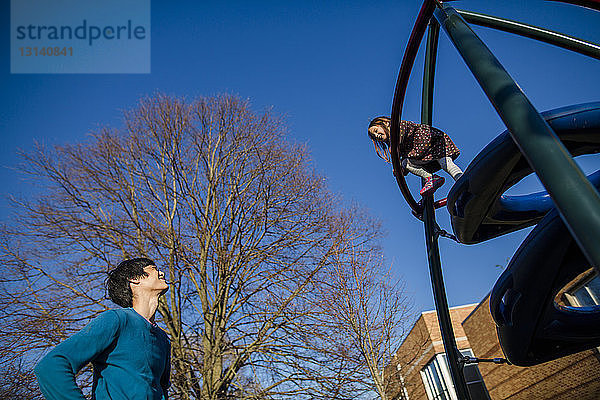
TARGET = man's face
(155,279)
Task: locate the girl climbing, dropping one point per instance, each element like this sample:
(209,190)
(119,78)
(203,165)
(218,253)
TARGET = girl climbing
(423,150)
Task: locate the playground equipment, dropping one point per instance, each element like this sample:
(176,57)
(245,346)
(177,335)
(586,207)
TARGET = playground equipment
(532,328)
(479,210)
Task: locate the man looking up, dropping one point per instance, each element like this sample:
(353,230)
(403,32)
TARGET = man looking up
(130,354)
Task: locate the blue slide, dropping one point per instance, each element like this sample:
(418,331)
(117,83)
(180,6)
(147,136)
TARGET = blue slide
(533,325)
(479,209)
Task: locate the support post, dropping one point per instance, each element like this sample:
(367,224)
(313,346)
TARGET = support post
(433,253)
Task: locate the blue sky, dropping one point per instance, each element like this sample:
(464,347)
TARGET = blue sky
(329,66)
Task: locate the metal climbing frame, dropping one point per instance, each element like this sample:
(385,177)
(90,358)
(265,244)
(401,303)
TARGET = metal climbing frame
(578,202)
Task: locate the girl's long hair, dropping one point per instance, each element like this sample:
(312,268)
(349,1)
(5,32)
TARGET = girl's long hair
(381,146)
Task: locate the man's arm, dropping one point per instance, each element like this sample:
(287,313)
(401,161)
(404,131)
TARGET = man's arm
(165,379)
(56,371)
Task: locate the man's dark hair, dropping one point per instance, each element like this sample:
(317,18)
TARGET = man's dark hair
(117,283)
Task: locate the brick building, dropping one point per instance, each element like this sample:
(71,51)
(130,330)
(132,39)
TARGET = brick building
(420,371)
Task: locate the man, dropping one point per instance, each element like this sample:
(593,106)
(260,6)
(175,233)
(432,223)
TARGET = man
(129,353)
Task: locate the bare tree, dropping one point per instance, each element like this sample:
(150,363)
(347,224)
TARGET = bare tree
(367,312)
(17,381)
(247,233)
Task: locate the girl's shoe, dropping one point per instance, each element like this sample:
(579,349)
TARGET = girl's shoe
(431,185)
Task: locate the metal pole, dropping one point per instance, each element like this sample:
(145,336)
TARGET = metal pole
(433,252)
(533,32)
(574,196)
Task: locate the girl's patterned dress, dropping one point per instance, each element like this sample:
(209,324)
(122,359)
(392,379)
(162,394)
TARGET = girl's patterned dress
(424,143)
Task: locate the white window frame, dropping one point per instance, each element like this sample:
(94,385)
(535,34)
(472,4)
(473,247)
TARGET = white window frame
(444,374)
(442,362)
(571,298)
(584,286)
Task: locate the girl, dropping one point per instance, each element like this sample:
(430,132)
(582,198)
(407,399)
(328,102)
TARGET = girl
(423,149)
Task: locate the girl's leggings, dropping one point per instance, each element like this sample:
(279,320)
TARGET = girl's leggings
(415,167)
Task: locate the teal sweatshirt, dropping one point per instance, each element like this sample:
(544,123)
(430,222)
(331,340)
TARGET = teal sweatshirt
(130,356)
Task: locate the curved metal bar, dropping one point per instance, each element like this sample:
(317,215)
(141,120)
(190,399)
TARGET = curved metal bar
(533,32)
(408,61)
(575,197)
